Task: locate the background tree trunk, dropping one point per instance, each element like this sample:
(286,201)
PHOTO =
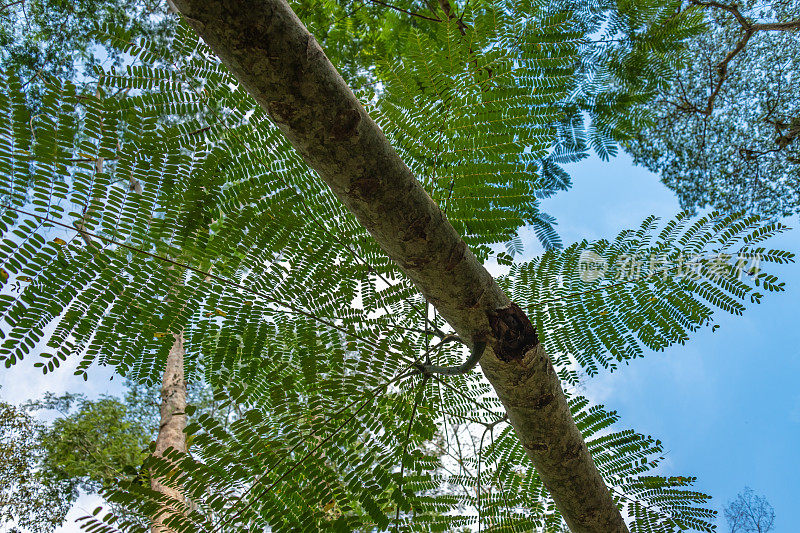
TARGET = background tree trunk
(173,421)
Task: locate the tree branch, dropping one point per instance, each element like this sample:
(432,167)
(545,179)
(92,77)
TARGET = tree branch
(749,29)
(475,356)
(6,6)
(400,9)
(274,57)
(732,9)
(722,71)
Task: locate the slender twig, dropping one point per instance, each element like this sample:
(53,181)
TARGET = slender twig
(3,8)
(417,399)
(427,339)
(464,396)
(400,9)
(435,348)
(449,454)
(477,351)
(435,333)
(461,466)
(497,475)
(658,511)
(348,15)
(466,418)
(478,495)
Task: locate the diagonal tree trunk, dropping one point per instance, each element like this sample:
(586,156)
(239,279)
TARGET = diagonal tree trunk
(281,65)
(173,422)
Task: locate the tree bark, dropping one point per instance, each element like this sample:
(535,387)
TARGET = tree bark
(274,57)
(173,422)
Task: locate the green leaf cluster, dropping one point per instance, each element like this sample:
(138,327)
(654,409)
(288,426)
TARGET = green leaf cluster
(165,201)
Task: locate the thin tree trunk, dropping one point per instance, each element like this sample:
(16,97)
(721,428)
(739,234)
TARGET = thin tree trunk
(281,65)
(173,422)
(173,386)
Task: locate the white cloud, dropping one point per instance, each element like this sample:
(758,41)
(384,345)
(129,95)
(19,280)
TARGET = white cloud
(23,382)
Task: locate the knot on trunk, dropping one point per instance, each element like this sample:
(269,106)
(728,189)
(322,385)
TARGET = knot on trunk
(513,331)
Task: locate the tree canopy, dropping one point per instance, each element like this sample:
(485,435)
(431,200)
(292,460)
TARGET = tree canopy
(749,512)
(44,38)
(211,221)
(724,125)
(86,449)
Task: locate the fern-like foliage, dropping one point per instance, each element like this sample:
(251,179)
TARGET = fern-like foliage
(166,202)
(607,301)
(476,119)
(627,51)
(282,466)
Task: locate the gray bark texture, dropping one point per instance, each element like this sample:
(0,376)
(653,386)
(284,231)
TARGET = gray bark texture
(173,422)
(276,59)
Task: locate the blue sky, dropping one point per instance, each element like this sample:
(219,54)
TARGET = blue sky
(725,405)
